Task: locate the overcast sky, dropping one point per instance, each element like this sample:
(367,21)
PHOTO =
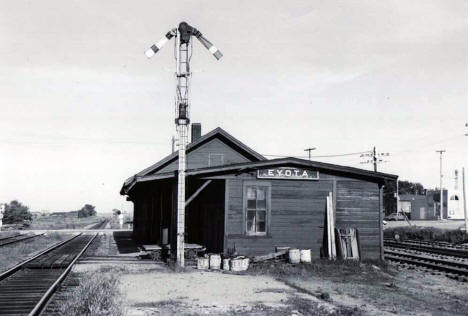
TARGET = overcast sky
(82,108)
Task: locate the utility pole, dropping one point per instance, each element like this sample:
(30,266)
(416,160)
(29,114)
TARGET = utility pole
(309,150)
(464,201)
(441,190)
(397,195)
(374,159)
(183,52)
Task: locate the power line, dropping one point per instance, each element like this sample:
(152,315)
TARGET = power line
(321,156)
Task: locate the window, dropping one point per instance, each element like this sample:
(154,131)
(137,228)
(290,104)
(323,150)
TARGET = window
(215,160)
(454,198)
(256,201)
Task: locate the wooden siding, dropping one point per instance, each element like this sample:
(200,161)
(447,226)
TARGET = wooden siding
(298,210)
(199,157)
(357,206)
(297,217)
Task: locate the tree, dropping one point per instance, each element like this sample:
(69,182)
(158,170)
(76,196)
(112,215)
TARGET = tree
(87,210)
(16,213)
(404,187)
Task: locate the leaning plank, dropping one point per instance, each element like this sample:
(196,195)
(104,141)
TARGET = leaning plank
(269,256)
(204,185)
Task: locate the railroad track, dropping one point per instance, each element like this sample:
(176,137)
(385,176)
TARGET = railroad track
(443,263)
(100,225)
(16,238)
(27,288)
(431,247)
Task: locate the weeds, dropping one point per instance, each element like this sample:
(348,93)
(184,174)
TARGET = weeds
(20,251)
(427,234)
(96,294)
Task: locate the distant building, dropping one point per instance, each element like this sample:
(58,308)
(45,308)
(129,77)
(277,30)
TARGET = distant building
(455,199)
(419,207)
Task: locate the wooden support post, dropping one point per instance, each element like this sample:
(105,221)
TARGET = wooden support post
(464,201)
(331,227)
(381,223)
(194,195)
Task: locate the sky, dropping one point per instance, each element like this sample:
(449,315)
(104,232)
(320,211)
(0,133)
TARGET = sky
(82,108)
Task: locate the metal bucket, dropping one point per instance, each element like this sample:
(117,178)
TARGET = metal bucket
(306,256)
(215,262)
(237,264)
(203,263)
(226,264)
(294,256)
(245,264)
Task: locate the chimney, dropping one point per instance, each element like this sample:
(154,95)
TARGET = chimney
(196,131)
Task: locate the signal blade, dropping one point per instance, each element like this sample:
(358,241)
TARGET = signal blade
(156,47)
(208,45)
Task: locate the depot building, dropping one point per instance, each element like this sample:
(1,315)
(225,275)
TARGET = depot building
(237,201)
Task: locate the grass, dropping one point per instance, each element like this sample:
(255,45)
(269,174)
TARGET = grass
(427,234)
(96,294)
(13,254)
(63,222)
(351,286)
(332,269)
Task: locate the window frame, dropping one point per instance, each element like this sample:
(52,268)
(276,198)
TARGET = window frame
(267,186)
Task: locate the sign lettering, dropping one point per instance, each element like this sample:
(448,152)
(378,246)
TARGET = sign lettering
(290,173)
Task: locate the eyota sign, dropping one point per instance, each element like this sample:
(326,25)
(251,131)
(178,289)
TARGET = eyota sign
(290,173)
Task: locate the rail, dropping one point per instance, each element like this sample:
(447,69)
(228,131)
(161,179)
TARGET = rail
(43,252)
(27,288)
(46,297)
(14,239)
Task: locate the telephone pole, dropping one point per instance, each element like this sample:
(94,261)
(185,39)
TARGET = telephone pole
(309,150)
(375,158)
(441,190)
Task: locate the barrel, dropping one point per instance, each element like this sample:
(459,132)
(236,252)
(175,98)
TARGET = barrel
(237,264)
(202,263)
(294,256)
(245,264)
(226,264)
(306,256)
(215,262)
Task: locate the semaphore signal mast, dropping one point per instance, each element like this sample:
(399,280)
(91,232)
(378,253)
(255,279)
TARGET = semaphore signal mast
(183,47)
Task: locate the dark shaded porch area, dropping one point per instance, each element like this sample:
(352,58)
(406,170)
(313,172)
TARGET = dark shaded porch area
(155,213)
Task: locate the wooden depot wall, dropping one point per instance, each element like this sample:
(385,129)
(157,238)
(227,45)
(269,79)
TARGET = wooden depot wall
(298,210)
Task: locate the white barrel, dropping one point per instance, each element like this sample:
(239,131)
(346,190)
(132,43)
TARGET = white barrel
(245,264)
(237,264)
(215,262)
(226,263)
(306,256)
(203,263)
(294,256)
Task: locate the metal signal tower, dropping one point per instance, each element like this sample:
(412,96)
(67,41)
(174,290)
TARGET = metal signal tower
(183,52)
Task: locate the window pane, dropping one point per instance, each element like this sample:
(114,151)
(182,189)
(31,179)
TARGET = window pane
(261,193)
(250,216)
(260,227)
(261,204)
(261,216)
(251,204)
(250,226)
(251,193)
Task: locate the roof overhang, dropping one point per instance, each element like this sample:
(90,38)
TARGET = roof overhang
(377,177)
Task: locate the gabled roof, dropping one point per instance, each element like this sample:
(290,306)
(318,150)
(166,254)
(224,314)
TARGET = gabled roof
(216,133)
(249,166)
